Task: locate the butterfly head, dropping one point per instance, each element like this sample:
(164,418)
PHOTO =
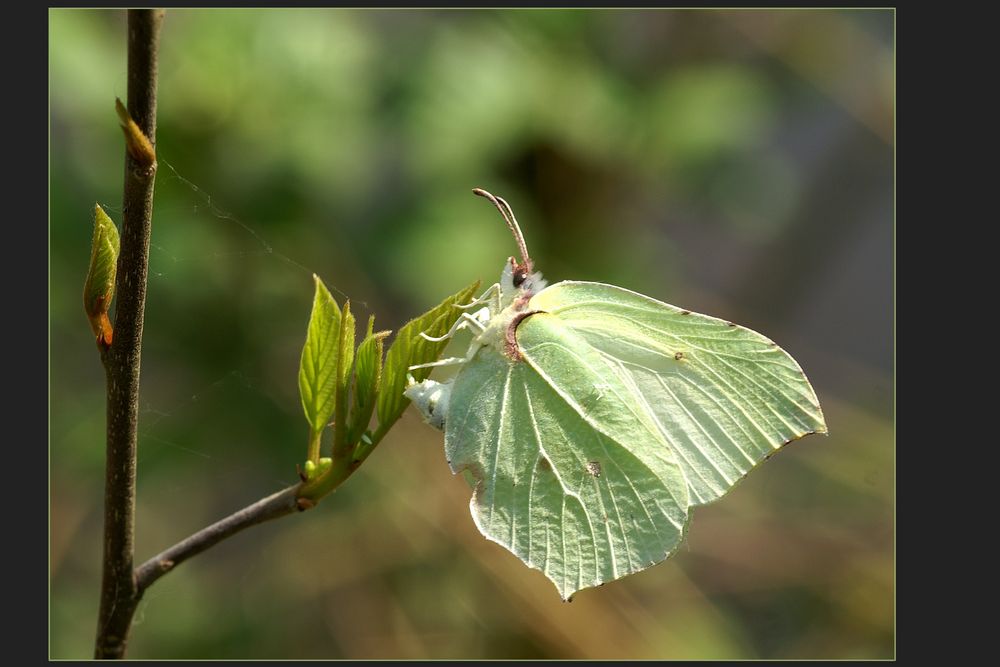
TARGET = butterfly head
(517,279)
(524,279)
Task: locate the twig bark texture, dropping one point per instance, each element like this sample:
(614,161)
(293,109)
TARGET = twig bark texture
(119,595)
(122,584)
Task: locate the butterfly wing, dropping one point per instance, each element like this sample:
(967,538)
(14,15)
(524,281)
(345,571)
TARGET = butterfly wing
(724,397)
(573,475)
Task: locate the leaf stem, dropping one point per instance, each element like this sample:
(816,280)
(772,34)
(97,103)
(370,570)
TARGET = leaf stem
(315,438)
(343,467)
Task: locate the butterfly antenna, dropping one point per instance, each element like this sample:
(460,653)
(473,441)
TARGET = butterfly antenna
(517,231)
(508,216)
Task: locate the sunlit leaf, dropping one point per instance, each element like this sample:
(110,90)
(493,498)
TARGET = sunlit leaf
(367,380)
(318,366)
(409,348)
(345,361)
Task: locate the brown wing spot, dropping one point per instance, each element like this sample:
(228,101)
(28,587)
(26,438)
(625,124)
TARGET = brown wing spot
(685,312)
(544,464)
(594,468)
(730,324)
(678,355)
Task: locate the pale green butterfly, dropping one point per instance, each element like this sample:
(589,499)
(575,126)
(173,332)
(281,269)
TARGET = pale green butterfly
(594,418)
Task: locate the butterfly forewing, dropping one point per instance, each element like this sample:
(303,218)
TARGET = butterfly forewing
(722,396)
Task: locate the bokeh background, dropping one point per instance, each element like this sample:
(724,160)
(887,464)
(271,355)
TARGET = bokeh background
(736,163)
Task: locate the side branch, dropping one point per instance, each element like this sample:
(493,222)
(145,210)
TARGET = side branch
(272,507)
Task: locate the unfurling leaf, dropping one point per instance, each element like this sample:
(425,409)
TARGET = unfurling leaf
(409,348)
(136,142)
(318,377)
(367,380)
(345,365)
(99,288)
(352,441)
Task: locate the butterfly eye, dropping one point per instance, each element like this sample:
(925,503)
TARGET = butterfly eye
(520,274)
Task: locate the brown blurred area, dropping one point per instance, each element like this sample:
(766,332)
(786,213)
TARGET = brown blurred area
(735,163)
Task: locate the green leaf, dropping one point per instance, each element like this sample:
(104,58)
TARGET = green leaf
(409,348)
(99,288)
(345,361)
(367,380)
(318,367)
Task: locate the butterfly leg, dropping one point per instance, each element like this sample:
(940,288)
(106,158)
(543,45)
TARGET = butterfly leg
(464,321)
(492,293)
(447,361)
(495,299)
(452,361)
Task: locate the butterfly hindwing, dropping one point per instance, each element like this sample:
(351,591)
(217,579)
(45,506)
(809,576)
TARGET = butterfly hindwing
(573,475)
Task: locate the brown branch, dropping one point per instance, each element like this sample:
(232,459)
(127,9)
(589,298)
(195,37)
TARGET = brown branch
(275,506)
(122,585)
(287,501)
(121,359)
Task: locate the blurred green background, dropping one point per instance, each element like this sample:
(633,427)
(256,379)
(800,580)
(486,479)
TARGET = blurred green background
(735,163)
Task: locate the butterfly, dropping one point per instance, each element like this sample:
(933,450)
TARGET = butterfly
(593,418)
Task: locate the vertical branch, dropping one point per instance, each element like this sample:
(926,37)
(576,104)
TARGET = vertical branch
(119,595)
